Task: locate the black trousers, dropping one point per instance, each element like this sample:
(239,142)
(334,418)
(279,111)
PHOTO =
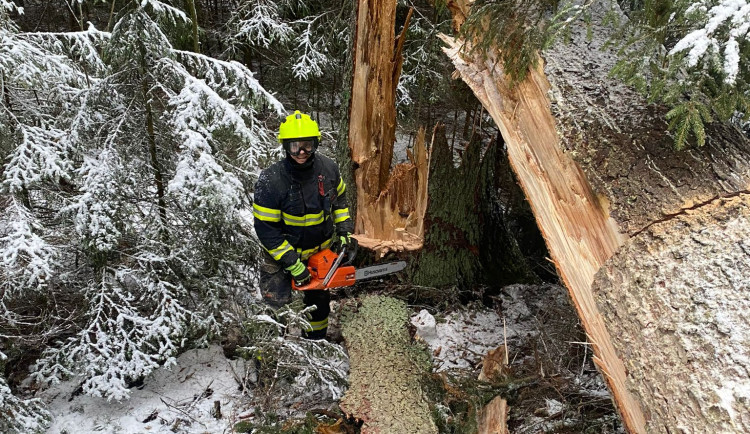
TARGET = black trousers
(276,287)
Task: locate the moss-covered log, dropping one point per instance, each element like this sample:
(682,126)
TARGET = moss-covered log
(386,369)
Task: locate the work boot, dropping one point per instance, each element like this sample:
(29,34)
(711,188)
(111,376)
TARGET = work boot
(315,335)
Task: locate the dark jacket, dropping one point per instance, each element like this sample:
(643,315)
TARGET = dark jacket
(296,209)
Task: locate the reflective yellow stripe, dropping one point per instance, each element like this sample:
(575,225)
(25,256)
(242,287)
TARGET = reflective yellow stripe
(305,220)
(305,254)
(278,252)
(339,215)
(317,325)
(296,268)
(266,214)
(341,187)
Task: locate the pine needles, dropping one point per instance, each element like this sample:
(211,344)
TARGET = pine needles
(520,29)
(690,56)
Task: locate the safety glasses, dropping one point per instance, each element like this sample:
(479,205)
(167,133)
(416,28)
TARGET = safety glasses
(297,146)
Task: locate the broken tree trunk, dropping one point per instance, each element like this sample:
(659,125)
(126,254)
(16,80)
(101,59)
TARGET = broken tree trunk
(602,179)
(392,205)
(387,369)
(387,219)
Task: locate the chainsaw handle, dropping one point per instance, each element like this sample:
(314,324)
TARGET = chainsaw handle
(335,266)
(351,252)
(315,283)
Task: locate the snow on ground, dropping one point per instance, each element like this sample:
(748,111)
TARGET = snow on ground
(180,399)
(462,340)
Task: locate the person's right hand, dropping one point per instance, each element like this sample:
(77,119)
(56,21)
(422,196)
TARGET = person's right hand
(300,274)
(303,278)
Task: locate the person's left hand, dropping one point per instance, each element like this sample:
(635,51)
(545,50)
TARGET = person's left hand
(341,241)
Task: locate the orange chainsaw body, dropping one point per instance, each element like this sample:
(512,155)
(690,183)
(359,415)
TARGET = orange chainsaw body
(319,265)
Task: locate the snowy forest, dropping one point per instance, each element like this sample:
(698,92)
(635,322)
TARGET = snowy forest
(568,182)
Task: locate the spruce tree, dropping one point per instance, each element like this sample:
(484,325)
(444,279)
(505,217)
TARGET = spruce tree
(128,165)
(693,56)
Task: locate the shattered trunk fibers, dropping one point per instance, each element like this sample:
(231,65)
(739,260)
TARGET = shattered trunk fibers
(390,203)
(386,369)
(607,189)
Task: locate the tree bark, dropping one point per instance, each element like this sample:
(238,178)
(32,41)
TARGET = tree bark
(387,369)
(598,169)
(462,233)
(190,6)
(678,294)
(383,221)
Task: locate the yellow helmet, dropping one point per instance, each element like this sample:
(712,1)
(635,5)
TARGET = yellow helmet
(298,126)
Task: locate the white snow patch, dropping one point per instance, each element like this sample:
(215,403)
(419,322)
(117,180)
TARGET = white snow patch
(725,24)
(187,391)
(463,339)
(730,392)
(732,60)
(425,324)
(554,407)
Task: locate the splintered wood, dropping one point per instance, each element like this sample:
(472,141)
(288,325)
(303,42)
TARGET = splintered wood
(395,220)
(493,419)
(580,234)
(390,204)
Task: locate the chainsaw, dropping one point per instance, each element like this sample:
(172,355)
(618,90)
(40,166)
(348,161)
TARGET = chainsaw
(327,271)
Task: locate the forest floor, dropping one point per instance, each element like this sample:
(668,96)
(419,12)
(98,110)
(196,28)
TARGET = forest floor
(550,382)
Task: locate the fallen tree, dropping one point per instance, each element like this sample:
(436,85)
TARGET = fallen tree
(600,173)
(387,369)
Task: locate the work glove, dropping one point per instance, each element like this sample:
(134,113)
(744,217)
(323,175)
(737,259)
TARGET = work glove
(341,241)
(299,273)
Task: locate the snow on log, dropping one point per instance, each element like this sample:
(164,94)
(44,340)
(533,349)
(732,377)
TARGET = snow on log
(679,295)
(386,218)
(598,168)
(386,369)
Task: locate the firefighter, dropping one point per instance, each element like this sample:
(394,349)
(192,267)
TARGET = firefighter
(300,208)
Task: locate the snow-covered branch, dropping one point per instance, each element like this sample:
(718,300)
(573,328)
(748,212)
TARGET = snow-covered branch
(310,49)
(21,415)
(723,26)
(261,24)
(96,214)
(122,342)
(28,260)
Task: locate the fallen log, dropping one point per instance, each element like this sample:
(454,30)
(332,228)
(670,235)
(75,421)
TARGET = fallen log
(598,169)
(386,369)
(686,335)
